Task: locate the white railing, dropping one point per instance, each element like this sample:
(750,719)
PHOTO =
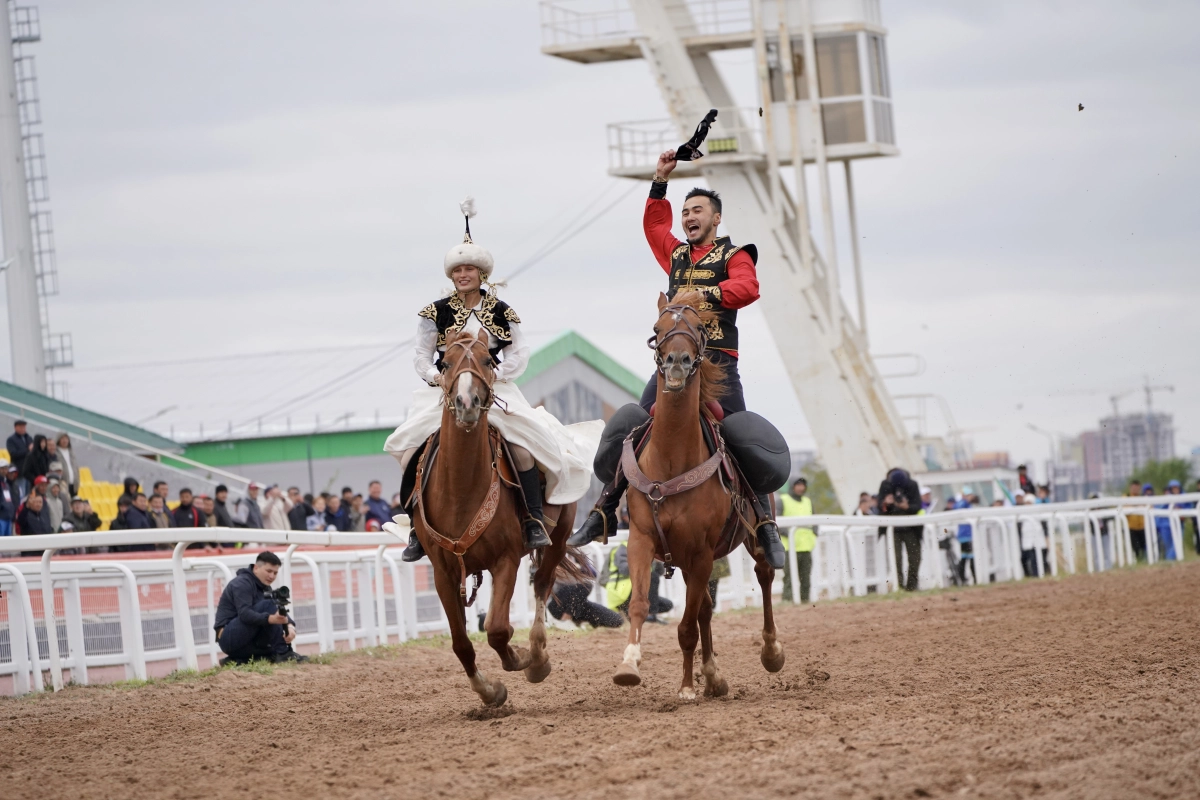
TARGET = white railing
(122,618)
(853,558)
(568,22)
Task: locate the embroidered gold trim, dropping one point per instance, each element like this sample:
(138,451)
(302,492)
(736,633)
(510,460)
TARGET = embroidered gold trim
(511,315)
(428,312)
(700,275)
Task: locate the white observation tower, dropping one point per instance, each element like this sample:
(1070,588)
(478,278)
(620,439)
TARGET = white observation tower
(834,50)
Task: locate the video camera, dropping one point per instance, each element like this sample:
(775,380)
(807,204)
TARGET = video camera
(283,598)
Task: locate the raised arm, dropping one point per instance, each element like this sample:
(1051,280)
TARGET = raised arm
(658,215)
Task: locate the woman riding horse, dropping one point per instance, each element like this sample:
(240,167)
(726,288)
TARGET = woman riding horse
(535,438)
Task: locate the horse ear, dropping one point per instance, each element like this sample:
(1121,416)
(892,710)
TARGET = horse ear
(662,301)
(482,335)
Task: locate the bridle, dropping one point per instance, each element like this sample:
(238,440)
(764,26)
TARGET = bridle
(696,333)
(469,363)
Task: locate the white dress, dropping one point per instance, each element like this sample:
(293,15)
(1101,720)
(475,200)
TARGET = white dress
(564,452)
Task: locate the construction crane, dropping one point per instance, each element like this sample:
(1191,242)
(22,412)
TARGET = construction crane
(823,95)
(1150,390)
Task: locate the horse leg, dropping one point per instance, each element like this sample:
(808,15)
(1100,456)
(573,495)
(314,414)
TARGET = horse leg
(689,631)
(772,651)
(714,684)
(641,554)
(492,693)
(543,584)
(499,629)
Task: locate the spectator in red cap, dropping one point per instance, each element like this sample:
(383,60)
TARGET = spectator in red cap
(247,513)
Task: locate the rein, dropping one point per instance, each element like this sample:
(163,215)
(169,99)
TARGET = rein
(696,334)
(470,363)
(479,523)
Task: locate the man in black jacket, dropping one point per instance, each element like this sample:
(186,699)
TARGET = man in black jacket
(900,495)
(248,622)
(186,514)
(18,444)
(220,511)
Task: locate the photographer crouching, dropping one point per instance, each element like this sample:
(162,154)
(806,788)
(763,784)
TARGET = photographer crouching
(251,619)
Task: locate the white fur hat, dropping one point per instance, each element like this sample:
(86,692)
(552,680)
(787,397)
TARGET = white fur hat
(468,252)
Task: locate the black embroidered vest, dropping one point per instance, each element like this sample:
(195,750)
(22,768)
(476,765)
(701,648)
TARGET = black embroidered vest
(707,274)
(450,315)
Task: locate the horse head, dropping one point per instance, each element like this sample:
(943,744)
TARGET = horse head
(680,338)
(468,378)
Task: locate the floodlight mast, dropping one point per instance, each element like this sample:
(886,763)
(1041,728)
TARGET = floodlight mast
(24,311)
(838,57)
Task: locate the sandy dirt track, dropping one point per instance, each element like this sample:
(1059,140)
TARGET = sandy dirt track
(1083,687)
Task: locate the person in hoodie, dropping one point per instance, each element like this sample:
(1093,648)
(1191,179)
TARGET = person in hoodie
(247,620)
(37,463)
(899,496)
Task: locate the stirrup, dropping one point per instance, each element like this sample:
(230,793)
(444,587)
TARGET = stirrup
(773,546)
(586,535)
(539,538)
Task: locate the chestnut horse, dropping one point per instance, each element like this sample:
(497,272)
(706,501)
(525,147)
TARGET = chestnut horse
(467,518)
(691,515)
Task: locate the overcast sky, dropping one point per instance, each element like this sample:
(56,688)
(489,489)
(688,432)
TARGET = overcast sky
(237,178)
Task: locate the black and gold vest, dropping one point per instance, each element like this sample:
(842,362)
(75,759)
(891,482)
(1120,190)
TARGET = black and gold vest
(707,274)
(450,315)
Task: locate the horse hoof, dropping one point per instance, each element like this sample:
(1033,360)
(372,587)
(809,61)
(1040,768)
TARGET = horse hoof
(627,675)
(500,697)
(536,673)
(687,694)
(772,658)
(718,688)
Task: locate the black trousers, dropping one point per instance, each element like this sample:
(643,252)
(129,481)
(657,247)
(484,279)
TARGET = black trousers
(908,540)
(1137,541)
(573,599)
(804,567)
(733,400)
(242,642)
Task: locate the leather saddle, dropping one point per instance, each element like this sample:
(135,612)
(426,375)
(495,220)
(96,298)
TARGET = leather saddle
(508,475)
(741,515)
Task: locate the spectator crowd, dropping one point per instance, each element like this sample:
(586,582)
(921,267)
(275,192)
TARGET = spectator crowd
(39,494)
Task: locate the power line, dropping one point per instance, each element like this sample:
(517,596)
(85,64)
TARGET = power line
(538,256)
(318,394)
(234,357)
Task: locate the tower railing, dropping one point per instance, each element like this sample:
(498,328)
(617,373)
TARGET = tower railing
(566,22)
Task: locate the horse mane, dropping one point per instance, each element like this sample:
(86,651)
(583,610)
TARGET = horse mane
(712,375)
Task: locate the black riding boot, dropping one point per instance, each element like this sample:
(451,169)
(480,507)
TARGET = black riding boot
(534,526)
(414,551)
(768,533)
(602,521)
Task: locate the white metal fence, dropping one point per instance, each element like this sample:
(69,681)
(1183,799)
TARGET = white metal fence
(121,617)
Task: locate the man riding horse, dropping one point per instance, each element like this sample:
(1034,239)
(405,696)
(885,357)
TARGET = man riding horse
(536,439)
(725,273)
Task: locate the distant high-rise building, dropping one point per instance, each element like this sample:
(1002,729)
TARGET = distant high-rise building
(1130,440)
(1092,444)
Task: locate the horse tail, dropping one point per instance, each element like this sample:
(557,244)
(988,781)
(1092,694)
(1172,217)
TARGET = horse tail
(575,567)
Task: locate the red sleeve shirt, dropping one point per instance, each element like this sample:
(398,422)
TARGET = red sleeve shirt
(739,290)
